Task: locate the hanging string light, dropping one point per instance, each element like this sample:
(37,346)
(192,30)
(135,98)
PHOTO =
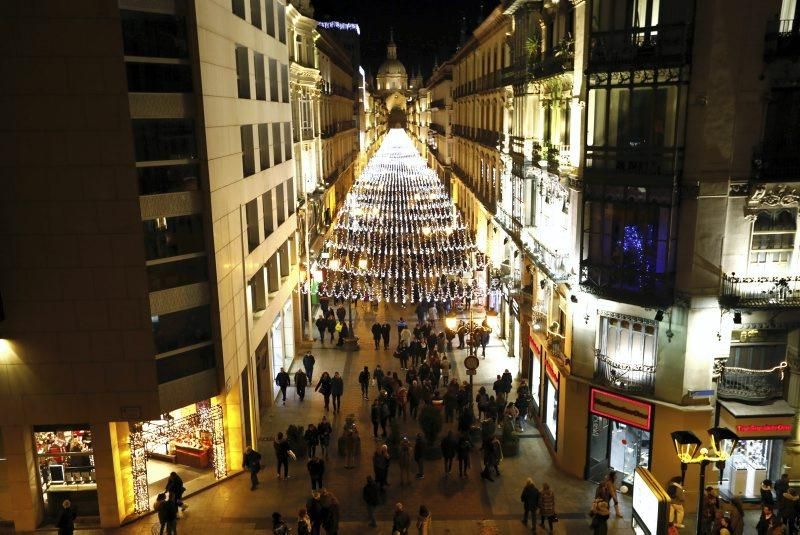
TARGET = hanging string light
(398,237)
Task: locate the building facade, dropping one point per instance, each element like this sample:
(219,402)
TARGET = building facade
(642,250)
(171,264)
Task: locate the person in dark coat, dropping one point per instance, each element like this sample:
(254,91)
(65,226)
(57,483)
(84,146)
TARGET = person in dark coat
(530,501)
(308,364)
(386,331)
(371,494)
(324,304)
(449,447)
(419,455)
(281,446)
(66,518)
(324,387)
(766,521)
(337,389)
(341,313)
(375,417)
(283,381)
(380,464)
(316,469)
(508,380)
(324,430)
(331,513)
(167,515)
(322,326)
(401,521)
(315,512)
(376,334)
(311,438)
(251,461)
(175,490)
(464,448)
(331,325)
(363,382)
(300,383)
(461,332)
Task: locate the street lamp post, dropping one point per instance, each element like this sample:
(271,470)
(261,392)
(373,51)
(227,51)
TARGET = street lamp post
(688,450)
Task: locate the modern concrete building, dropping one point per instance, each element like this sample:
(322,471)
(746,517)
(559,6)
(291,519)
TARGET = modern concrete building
(148,247)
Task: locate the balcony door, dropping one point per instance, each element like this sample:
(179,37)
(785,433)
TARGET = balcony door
(626,353)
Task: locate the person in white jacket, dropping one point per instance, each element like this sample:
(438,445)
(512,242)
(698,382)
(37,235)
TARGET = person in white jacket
(678,495)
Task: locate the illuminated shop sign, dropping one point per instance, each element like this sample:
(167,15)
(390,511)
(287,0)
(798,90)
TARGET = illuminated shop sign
(764,428)
(626,410)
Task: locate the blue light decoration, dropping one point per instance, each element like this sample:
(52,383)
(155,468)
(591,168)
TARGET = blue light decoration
(635,246)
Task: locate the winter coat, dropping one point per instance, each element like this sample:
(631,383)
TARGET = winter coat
(401,522)
(376,331)
(337,386)
(371,493)
(300,379)
(676,493)
(308,361)
(449,447)
(380,462)
(252,461)
(282,379)
(316,469)
(363,377)
(281,449)
(530,497)
(464,448)
(424,524)
(324,386)
(547,503)
(419,448)
(311,437)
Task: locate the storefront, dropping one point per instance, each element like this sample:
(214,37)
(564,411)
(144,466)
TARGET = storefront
(188,441)
(762,430)
(535,375)
(619,436)
(66,468)
(550,412)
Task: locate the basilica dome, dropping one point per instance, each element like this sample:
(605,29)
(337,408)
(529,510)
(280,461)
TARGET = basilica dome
(392,74)
(392,67)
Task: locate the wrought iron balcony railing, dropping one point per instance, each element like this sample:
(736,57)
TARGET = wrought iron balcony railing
(556,61)
(642,161)
(760,291)
(773,163)
(745,384)
(627,285)
(627,377)
(517,144)
(437,104)
(555,264)
(439,129)
(664,44)
(782,39)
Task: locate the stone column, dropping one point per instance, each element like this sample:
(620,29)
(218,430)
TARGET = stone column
(791,447)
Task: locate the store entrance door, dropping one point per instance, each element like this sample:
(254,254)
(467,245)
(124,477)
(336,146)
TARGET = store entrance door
(614,445)
(599,444)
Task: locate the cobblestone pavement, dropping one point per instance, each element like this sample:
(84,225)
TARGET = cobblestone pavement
(458,506)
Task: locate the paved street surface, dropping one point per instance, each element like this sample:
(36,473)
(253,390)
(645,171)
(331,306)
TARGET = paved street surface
(458,506)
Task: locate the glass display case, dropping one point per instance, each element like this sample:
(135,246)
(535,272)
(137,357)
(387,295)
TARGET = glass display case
(752,462)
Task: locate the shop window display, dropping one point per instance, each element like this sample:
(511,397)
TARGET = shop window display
(66,468)
(617,446)
(752,462)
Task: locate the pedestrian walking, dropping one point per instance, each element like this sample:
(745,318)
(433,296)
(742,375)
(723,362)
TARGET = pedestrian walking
(375,416)
(401,397)
(311,438)
(66,518)
(377,376)
(303,523)
(599,513)
(767,498)
(300,384)
(464,449)
(530,501)
(324,387)
(401,521)
(423,521)
(767,521)
(331,325)
(444,366)
(371,495)
(508,381)
(279,526)
(401,324)
(341,313)
(175,490)
(376,333)
(167,513)
(386,412)
(308,364)
(337,389)
(324,430)
(386,331)
(449,446)
(344,333)
(315,512)
(363,381)
(419,455)
(461,332)
(251,461)
(380,464)
(281,446)
(489,459)
(322,326)
(790,511)
(404,461)
(484,337)
(677,496)
(547,506)
(316,471)
(350,439)
(282,380)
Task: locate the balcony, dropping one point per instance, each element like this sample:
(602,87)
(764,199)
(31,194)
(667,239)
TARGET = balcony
(642,161)
(776,165)
(626,377)
(487,138)
(782,39)
(628,285)
(439,129)
(744,384)
(634,48)
(555,61)
(511,225)
(489,202)
(437,104)
(553,263)
(517,144)
(334,128)
(760,291)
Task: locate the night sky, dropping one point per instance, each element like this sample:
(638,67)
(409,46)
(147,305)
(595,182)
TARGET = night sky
(423,29)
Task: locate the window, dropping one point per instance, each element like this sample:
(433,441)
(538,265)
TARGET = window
(269,215)
(242,72)
(773,240)
(180,329)
(284,259)
(263,145)
(255,13)
(760,349)
(258,292)
(285,82)
(185,364)
(251,219)
(261,76)
(168,179)
(287,142)
(269,10)
(163,139)
(291,196)
(153,35)
(173,236)
(280,205)
(273,80)
(630,341)
(281,22)
(238,9)
(248,150)
(168,275)
(277,146)
(159,77)
(273,280)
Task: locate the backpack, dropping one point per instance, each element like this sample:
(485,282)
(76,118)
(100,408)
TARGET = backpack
(672,491)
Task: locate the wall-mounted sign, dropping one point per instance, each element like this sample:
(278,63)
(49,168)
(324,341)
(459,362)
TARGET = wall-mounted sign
(650,503)
(754,427)
(626,410)
(763,428)
(536,348)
